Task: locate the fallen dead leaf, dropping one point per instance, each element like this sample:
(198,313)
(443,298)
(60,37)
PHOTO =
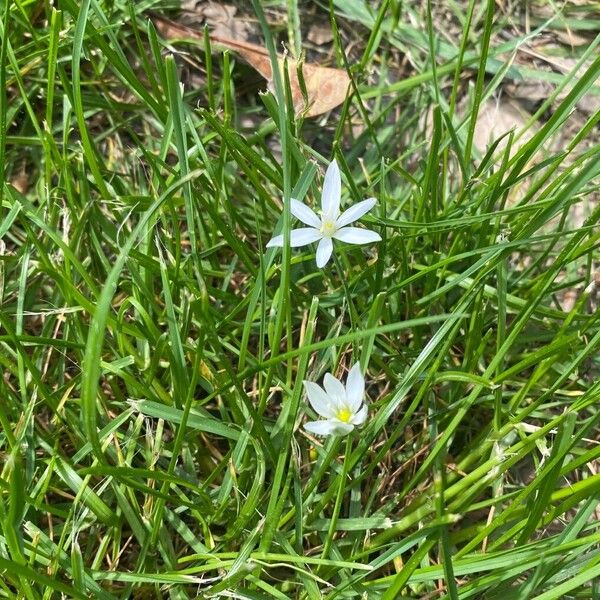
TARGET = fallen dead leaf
(222,22)
(531,90)
(534,89)
(589,103)
(20,182)
(326,87)
(319,34)
(497,117)
(571,38)
(568,299)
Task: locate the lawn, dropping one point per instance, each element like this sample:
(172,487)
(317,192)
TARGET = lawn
(299,300)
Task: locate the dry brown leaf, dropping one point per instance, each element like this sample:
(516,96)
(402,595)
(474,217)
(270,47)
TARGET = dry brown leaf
(568,299)
(326,87)
(217,12)
(496,117)
(533,89)
(20,182)
(571,38)
(589,103)
(319,34)
(530,90)
(222,22)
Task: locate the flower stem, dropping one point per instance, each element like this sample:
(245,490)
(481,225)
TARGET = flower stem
(338,499)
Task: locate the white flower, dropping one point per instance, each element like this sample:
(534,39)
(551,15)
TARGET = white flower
(331,224)
(340,406)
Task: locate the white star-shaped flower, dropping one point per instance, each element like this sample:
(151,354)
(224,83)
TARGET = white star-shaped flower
(339,405)
(331,224)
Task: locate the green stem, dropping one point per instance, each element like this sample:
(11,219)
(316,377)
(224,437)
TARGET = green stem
(338,500)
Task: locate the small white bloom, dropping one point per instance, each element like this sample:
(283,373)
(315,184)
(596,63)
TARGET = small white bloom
(340,406)
(331,224)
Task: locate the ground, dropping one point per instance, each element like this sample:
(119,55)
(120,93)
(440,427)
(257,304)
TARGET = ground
(154,350)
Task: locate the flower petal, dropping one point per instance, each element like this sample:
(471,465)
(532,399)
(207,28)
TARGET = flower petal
(276,241)
(355,212)
(323,427)
(355,235)
(341,428)
(324,250)
(360,417)
(335,389)
(332,191)
(319,400)
(304,213)
(355,388)
(303,236)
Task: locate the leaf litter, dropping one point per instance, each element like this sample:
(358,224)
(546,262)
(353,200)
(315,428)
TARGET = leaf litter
(322,88)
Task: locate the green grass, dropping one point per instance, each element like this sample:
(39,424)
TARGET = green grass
(153,351)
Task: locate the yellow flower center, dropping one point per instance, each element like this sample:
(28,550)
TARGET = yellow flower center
(328,227)
(344,415)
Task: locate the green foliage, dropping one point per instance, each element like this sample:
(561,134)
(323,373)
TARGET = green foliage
(153,352)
